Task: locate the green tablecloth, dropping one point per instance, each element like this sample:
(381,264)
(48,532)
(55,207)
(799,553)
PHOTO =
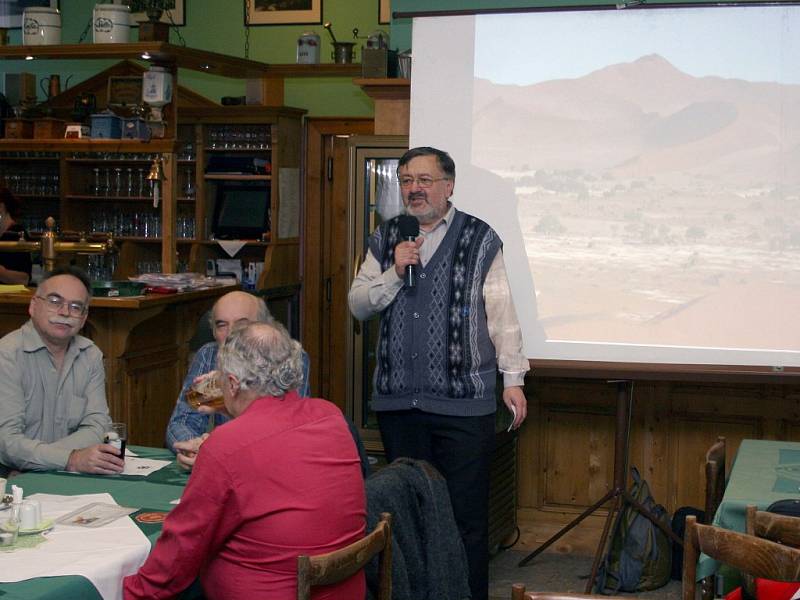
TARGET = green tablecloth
(153,492)
(764,471)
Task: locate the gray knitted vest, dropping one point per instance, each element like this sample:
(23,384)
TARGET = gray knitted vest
(434,352)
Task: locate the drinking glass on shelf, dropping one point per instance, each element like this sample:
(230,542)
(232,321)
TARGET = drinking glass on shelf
(118,181)
(107,182)
(96,188)
(214,137)
(130,193)
(54,184)
(141,182)
(44,187)
(188,189)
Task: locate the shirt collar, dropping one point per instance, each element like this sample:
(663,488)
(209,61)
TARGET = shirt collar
(446,220)
(32,341)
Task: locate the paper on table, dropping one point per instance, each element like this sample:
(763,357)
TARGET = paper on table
(103,555)
(142,466)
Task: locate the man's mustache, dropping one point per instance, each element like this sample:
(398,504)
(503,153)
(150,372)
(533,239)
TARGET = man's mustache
(63,320)
(417,196)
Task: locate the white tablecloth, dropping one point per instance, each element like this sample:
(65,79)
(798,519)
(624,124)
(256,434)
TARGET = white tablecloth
(104,555)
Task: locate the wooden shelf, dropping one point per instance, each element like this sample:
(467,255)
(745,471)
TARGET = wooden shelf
(112,199)
(392,104)
(43,197)
(94,161)
(188,58)
(89,145)
(158,52)
(52,158)
(385,88)
(150,240)
(238,150)
(248,244)
(238,177)
(322,70)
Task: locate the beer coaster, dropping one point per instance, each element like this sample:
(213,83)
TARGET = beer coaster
(151,517)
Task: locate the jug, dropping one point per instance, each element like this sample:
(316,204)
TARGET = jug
(51,86)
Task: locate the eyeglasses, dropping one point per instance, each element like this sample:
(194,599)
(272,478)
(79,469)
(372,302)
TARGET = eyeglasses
(54,302)
(423,182)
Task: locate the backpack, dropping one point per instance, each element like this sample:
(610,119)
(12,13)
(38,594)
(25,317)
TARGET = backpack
(639,557)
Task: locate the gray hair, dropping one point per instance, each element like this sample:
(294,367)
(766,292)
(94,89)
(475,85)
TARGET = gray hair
(264,358)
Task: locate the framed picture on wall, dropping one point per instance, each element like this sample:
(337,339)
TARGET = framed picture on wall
(282,12)
(11,10)
(384,11)
(172,16)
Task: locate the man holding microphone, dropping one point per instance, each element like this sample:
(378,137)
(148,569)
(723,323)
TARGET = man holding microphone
(447,324)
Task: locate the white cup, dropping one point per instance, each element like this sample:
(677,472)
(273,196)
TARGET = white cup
(27,516)
(37,510)
(2,487)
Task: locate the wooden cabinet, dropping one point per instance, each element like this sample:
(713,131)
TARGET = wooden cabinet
(101,186)
(35,178)
(243,135)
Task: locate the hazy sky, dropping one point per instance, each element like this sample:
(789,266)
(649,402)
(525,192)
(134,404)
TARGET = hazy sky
(755,44)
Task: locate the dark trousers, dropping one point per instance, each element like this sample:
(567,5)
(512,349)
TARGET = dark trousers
(461,450)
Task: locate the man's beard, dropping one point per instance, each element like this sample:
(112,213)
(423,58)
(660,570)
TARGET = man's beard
(425,213)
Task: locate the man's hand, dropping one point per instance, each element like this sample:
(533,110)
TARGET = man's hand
(187,451)
(406,253)
(210,410)
(514,396)
(100,459)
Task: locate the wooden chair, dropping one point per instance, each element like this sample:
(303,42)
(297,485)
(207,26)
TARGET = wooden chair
(777,528)
(715,478)
(325,569)
(751,555)
(715,490)
(518,593)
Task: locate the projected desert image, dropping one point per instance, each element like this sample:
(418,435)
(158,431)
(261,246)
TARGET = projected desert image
(656,207)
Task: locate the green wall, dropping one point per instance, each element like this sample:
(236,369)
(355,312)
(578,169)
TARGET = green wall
(218,26)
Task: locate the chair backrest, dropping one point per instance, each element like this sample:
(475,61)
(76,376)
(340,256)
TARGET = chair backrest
(752,555)
(770,526)
(325,569)
(777,528)
(715,478)
(518,593)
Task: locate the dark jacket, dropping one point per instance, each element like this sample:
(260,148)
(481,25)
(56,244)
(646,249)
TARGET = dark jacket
(428,557)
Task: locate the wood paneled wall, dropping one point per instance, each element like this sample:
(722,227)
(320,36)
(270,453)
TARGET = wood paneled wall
(567,445)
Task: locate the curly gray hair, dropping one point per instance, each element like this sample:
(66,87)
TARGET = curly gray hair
(264,358)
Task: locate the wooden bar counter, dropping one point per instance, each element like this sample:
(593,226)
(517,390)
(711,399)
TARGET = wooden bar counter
(145,345)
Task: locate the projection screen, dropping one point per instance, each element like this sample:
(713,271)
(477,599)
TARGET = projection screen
(642,168)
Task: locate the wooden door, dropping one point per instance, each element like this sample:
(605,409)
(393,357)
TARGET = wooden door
(324,293)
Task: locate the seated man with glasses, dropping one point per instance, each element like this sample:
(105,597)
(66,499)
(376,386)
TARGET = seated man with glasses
(53,410)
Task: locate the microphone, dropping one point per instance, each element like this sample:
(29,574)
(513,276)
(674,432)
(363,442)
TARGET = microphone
(409,230)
